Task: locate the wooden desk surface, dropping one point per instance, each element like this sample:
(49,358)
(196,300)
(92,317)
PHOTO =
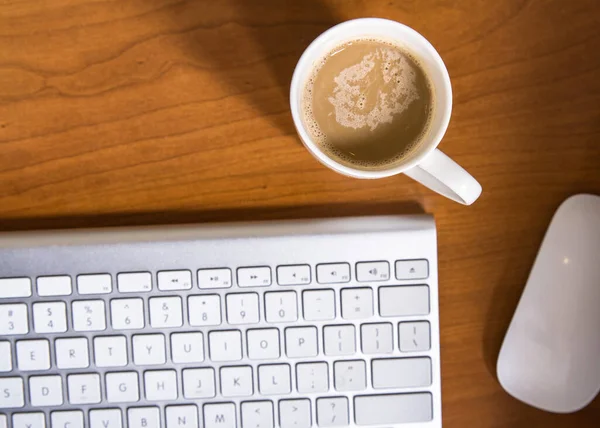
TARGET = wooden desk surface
(168,111)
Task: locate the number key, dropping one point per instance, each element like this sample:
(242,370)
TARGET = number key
(89,315)
(166,312)
(127,314)
(281,306)
(204,310)
(50,317)
(13,319)
(242,308)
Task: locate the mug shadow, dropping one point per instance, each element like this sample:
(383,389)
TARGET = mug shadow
(252,46)
(204,216)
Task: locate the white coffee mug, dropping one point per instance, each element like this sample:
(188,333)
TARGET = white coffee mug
(425,164)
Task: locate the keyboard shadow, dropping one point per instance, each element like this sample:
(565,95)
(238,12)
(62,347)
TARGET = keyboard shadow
(154,218)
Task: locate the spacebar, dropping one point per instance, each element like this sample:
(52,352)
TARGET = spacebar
(392,408)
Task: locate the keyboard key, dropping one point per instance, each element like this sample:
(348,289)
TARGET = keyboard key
(350,375)
(172,280)
(50,317)
(318,305)
(12,392)
(293,275)
(127,314)
(392,409)
(160,385)
(166,312)
(339,340)
(106,418)
(111,351)
(414,336)
(29,420)
(220,415)
(274,379)
(134,282)
(122,387)
(143,417)
(301,342)
(257,414)
(377,338)
(45,391)
(357,303)
(67,419)
(6,360)
(84,388)
(332,273)
(295,413)
(72,353)
(281,306)
(184,416)
(254,276)
(312,377)
(372,271)
(263,344)
(89,315)
(3,421)
(149,349)
(412,269)
(242,308)
(187,348)
(225,345)
(54,286)
(15,287)
(33,355)
(94,284)
(204,310)
(13,319)
(198,383)
(214,278)
(404,300)
(332,412)
(401,372)
(236,381)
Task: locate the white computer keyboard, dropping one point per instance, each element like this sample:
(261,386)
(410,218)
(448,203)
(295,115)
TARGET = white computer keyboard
(327,323)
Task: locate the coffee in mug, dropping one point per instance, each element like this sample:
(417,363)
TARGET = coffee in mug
(368,103)
(371,98)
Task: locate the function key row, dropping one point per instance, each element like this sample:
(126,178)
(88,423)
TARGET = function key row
(171,280)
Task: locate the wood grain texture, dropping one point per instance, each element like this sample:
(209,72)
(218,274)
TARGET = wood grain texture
(166,111)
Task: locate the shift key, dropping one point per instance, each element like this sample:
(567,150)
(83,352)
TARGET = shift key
(393,409)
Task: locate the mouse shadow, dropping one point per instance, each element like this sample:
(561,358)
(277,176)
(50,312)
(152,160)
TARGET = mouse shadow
(499,314)
(156,218)
(252,46)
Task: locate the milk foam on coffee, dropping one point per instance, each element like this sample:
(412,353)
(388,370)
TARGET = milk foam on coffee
(367,103)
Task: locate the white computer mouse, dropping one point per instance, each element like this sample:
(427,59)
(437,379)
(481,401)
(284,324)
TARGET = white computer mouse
(550,357)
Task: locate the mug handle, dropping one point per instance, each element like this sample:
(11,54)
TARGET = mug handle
(444,176)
